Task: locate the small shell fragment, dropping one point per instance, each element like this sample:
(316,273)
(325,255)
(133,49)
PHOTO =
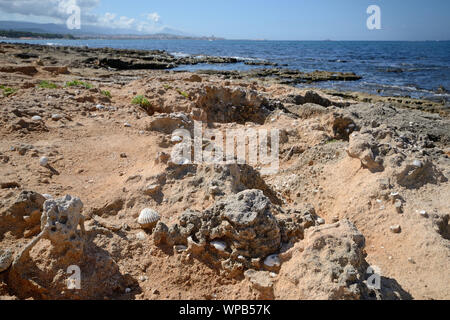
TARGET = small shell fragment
(396,229)
(176,139)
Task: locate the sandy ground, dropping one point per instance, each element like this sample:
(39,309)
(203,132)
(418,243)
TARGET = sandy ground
(104,151)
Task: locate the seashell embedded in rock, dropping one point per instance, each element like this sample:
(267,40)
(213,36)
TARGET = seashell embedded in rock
(272,261)
(219,245)
(148,218)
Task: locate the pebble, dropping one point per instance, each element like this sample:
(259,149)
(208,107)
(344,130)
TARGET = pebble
(141,236)
(417,163)
(43,161)
(214,190)
(56,117)
(143,278)
(36,118)
(399,206)
(423,213)
(320,221)
(127,290)
(396,229)
(127,125)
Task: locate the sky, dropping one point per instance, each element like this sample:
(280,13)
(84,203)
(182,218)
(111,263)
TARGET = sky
(250,19)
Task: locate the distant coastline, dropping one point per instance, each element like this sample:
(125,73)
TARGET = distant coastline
(26,35)
(13,34)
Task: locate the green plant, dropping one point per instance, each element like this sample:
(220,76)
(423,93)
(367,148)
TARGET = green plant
(77,83)
(8,91)
(183,93)
(106,93)
(166,86)
(141,101)
(47,85)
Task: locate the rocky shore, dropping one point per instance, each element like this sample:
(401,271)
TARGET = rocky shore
(90,177)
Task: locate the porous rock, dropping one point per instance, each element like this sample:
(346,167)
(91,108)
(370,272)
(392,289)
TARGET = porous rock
(244,222)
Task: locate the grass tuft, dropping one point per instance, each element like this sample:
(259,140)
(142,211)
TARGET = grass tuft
(7,91)
(141,101)
(47,85)
(77,83)
(106,93)
(183,93)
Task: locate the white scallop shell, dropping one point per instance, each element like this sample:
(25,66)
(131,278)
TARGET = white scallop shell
(272,261)
(219,245)
(148,217)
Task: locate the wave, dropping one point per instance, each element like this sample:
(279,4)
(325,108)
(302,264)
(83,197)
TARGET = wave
(180,54)
(406,88)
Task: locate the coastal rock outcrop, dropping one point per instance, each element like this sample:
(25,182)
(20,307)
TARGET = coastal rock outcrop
(222,104)
(330,264)
(59,224)
(245,223)
(21,215)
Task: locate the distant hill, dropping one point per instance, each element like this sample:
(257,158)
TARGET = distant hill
(93,32)
(27,34)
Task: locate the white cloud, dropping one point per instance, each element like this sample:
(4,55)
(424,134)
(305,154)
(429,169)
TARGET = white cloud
(153,17)
(56,11)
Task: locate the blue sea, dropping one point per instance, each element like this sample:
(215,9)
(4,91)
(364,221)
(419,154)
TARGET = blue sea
(415,69)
